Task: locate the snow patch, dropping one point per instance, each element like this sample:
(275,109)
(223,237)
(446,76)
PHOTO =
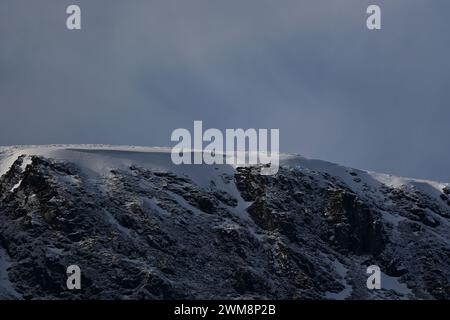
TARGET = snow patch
(393,283)
(17,185)
(342,271)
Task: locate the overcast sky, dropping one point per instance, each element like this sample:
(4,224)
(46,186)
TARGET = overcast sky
(376,100)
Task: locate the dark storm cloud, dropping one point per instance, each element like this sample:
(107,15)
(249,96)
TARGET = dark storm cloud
(139,69)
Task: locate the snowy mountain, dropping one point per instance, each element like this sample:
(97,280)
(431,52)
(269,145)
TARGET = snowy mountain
(141,227)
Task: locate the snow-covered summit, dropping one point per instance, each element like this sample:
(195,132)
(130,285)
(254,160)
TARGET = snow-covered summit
(100,158)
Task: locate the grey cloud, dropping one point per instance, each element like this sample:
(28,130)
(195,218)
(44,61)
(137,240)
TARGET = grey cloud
(139,69)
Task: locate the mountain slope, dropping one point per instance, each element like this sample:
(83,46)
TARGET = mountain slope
(141,227)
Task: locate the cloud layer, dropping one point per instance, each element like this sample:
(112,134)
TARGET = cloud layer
(139,69)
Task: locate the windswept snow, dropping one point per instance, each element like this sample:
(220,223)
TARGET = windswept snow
(100,158)
(360,179)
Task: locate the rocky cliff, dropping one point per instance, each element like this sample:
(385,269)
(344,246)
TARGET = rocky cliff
(140,227)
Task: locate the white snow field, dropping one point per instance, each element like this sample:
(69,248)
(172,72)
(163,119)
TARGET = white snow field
(99,159)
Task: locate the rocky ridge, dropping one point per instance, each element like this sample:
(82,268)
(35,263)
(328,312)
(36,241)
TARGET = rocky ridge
(142,228)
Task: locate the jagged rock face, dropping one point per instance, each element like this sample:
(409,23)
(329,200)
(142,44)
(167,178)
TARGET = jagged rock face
(343,219)
(140,232)
(354,226)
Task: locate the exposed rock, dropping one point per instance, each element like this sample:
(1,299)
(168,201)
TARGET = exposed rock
(141,232)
